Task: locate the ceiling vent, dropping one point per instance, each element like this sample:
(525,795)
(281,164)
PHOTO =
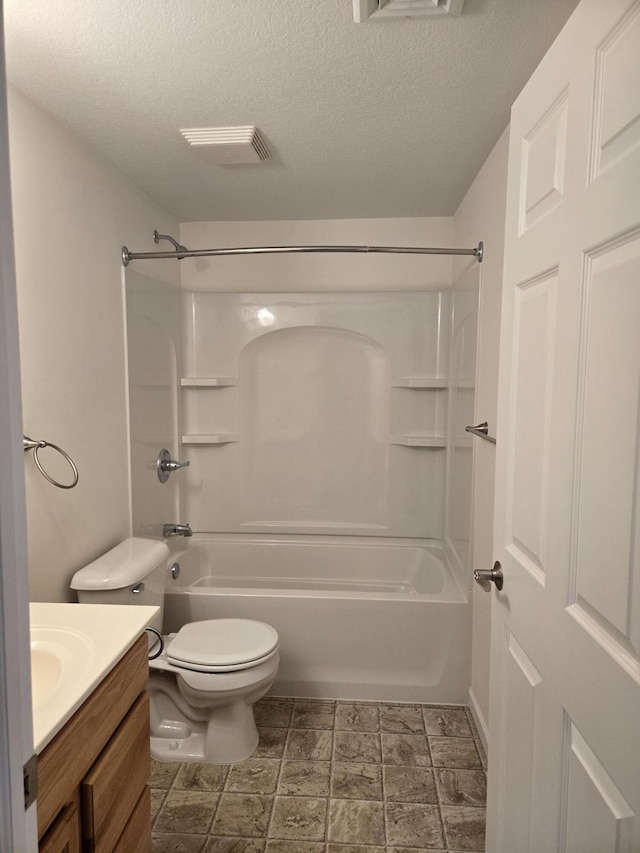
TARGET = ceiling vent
(227,146)
(386,10)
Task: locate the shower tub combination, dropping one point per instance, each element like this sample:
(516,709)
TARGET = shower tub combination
(358,618)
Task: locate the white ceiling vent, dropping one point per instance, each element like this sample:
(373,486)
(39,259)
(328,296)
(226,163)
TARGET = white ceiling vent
(384,10)
(227,146)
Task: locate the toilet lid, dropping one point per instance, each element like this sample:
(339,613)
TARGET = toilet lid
(228,643)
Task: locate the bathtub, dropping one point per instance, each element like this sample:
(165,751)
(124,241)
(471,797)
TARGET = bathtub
(358,618)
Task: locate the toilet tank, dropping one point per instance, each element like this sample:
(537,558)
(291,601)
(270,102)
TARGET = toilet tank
(134,572)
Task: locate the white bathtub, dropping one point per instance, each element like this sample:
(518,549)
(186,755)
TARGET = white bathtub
(357,618)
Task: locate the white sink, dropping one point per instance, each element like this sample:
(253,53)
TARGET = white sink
(59,657)
(73,647)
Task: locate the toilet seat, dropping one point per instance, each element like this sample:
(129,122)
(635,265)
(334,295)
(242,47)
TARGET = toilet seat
(222,645)
(214,683)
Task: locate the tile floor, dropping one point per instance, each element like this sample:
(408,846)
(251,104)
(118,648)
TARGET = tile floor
(332,777)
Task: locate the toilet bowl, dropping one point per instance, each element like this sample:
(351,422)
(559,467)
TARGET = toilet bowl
(205,680)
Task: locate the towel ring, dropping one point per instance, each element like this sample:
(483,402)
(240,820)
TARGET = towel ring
(30,444)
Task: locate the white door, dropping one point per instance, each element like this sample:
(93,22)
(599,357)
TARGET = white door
(18,829)
(564,770)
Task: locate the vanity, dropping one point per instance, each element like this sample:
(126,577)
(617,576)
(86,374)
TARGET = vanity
(91,727)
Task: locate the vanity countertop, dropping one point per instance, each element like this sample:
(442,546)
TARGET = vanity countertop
(73,647)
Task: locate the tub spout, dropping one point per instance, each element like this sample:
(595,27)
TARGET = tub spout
(176,530)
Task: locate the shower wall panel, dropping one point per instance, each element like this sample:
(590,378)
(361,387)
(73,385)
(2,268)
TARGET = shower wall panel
(321,413)
(154,354)
(462,373)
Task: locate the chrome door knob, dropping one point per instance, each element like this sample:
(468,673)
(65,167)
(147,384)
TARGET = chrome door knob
(485,577)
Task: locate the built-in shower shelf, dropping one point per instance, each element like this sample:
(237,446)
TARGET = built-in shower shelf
(418,440)
(209,381)
(418,382)
(207,438)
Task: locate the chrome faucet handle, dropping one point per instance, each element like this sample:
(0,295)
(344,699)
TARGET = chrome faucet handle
(165,465)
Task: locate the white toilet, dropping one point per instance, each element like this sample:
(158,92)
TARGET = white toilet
(204,684)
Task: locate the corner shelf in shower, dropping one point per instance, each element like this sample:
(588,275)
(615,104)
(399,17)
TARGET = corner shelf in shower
(205,438)
(419,382)
(418,440)
(209,381)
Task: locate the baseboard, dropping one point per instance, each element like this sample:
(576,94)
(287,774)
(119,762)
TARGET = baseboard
(481,723)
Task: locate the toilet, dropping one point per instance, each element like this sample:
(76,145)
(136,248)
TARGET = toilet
(203,685)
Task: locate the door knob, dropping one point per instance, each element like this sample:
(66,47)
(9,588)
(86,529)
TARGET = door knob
(165,465)
(485,577)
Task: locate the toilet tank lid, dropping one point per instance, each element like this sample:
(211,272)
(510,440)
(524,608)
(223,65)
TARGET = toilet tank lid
(126,564)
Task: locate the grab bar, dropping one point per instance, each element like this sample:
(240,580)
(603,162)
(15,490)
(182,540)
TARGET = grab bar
(482,431)
(31,444)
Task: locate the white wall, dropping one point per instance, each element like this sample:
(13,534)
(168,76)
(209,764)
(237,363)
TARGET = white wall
(481,216)
(313,272)
(72,213)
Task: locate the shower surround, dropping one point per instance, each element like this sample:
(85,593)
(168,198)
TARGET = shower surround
(325,435)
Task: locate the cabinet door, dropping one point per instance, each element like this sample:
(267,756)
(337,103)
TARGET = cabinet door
(137,833)
(64,835)
(114,784)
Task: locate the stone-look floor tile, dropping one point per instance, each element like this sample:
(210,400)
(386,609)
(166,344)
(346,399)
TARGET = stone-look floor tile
(173,842)
(401,719)
(472,723)
(360,747)
(271,743)
(354,848)
(409,785)
(447,722)
(313,715)
(273,712)
(356,822)
(305,778)
(163,773)
(299,818)
(254,776)
(157,799)
(410,750)
(356,781)
(464,828)
(356,717)
(234,845)
(309,745)
(187,812)
(279,846)
(457,752)
(462,787)
(481,753)
(414,824)
(243,815)
(414,850)
(201,777)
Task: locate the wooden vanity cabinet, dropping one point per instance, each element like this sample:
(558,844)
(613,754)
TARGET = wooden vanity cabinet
(93,792)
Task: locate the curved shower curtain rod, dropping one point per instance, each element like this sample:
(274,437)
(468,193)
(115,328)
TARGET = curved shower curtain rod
(182,251)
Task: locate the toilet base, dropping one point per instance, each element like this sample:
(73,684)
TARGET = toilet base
(228,736)
(193,747)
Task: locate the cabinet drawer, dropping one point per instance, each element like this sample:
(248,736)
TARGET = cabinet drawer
(112,788)
(137,833)
(64,835)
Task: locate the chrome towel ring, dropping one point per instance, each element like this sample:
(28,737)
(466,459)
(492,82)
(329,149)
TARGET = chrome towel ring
(30,444)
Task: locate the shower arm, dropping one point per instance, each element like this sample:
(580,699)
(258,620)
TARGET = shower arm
(182,252)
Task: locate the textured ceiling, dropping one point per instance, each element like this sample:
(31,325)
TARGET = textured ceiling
(362,120)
